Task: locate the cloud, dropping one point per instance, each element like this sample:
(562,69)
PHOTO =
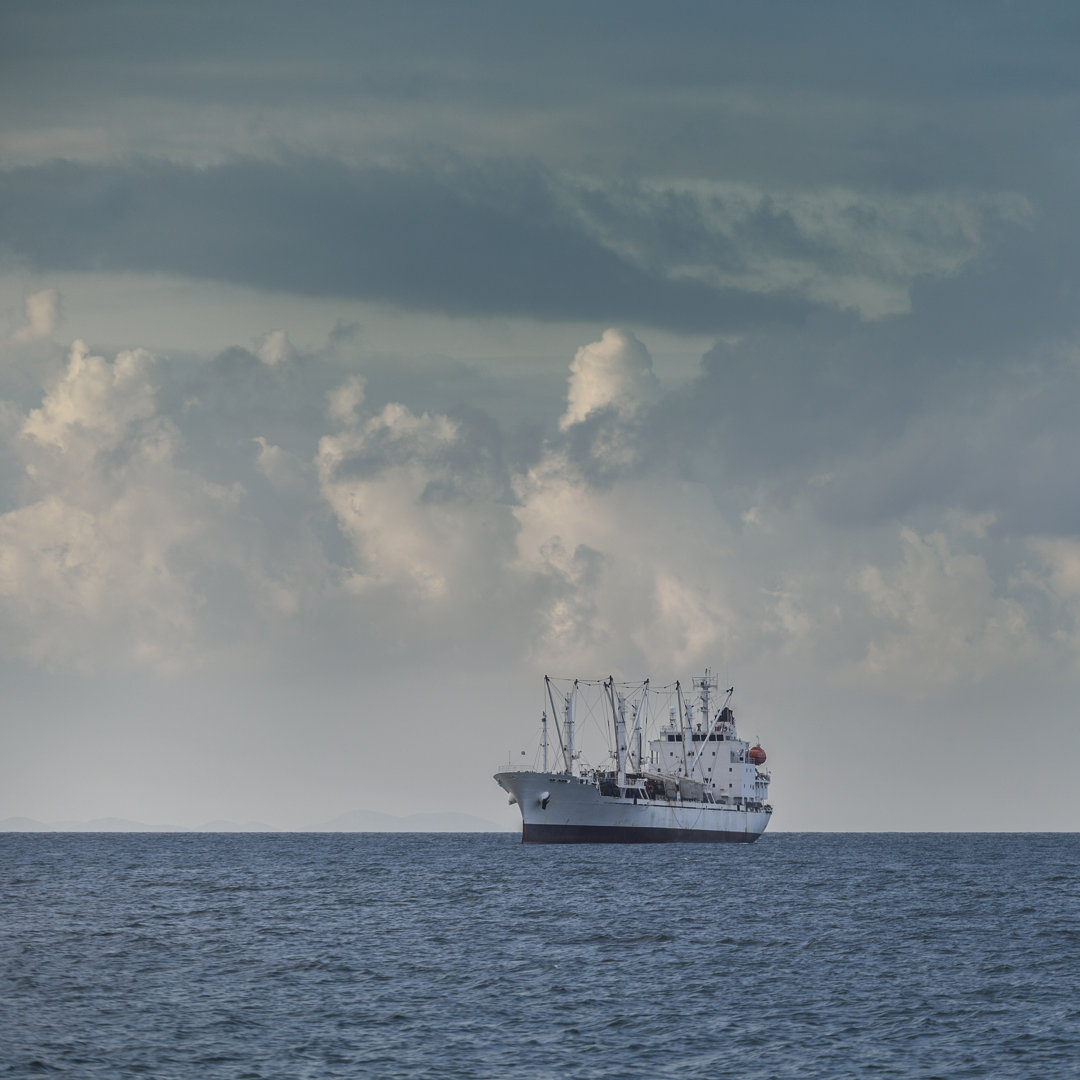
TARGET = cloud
(1061,557)
(276,349)
(94,406)
(614,372)
(284,470)
(344,400)
(868,491)
(611,395)
(42,316)
(1055,575)
(93,548)
(490,238)
(620,568)
(115,553)
(835,98)
(938,615)
(175,514)
(692,624)
(833,245)
(419,504)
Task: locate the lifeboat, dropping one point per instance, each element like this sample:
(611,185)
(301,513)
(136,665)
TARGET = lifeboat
(756,755)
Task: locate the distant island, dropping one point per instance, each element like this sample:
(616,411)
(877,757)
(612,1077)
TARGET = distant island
(354,821)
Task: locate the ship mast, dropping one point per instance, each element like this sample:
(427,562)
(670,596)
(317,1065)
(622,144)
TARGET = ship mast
(640,719)
(638,730)
(705,683)
(569,717)
(618,723)
(567,760)
(682,728)
(619,716)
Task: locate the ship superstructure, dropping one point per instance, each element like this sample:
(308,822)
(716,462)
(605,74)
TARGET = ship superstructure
(696,782)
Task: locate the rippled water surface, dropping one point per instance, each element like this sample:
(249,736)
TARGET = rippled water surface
(358,955)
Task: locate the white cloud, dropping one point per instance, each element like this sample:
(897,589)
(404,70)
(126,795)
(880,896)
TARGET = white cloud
(275,349)
(95,405)
(938,616)
(1061,557)
(614,372)
(1057,578)
(107,559)
(691,620)
(415,514)
(120,545)
(634,574)
(786,617)
(346,399)
(42,316)
(836,245)
(284,470)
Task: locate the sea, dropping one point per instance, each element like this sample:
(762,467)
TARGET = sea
(298,955)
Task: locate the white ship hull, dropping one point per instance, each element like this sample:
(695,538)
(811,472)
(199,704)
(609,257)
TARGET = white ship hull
(560,809)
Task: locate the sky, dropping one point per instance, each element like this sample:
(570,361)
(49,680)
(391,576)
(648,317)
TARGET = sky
(360,364)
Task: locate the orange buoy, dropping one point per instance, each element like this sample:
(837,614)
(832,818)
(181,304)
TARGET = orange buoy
(756,755)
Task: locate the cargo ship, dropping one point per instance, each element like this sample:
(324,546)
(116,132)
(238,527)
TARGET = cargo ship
(697,781)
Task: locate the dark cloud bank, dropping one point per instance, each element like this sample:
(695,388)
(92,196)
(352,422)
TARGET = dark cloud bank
(482,240)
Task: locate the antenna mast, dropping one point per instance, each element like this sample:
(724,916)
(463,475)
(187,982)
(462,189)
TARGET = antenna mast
(705,684)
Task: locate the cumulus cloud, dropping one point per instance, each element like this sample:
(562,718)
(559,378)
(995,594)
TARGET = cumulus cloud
(284,470)
(419,506)
(635,569)
(346,399)
(275,349)
(117,554)
(93,549)
(939,616)
(870,485)
(160,508)
(757,561)
(1061,557)
(614,372)
(95,405)
(42,316)
(1054,574)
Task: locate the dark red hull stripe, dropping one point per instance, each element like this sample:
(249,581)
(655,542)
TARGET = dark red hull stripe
(614,834)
